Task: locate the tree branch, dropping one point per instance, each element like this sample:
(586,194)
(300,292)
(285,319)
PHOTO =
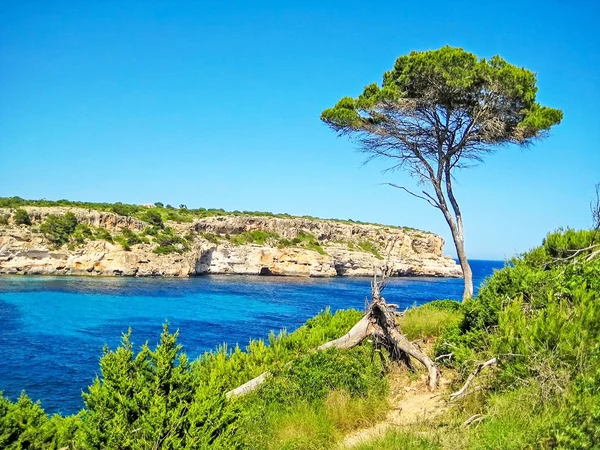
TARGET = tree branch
(428,198)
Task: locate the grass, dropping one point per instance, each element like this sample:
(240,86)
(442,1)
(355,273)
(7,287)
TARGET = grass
(429,320)
(400,439)
(319,424)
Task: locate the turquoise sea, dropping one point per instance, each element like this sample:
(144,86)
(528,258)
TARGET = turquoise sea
(52,329)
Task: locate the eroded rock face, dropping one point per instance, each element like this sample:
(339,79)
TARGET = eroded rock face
(411,252)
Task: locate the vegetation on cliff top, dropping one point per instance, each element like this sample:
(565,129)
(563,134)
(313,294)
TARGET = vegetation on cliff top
(538,317)
(61,229)
(168,212)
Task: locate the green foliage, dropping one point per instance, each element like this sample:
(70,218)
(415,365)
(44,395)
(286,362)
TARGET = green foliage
(539,317)
(3,219)
(305,240)
(370,247)
(184,214)
(127,238)
(117,208)
(169,242)
(578,424)
(58,229)
(253,237)
(154,218)
(21,217)
(82,233)
(454,80)
(104,234)
(152,400)
(24,425)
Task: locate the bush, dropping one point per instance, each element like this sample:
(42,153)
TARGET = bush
(127,238)
(104,234)
(3,219)
(58,229)
(253,237)
(169,242)
(21,217)
(154,218)
(153,397)
(370,247)
(82,233)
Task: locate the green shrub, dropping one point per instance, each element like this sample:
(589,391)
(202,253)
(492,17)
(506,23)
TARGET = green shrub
(154,218)
(253,237)
(578,422)
(104,234)
(370,247)
(3,219)
(25,425)
(21,217)
(58,229)
(153,397)
(128,238)
(82,233)
(303,239)
(169,242)
(124,210)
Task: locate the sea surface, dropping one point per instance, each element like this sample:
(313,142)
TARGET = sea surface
(53,329)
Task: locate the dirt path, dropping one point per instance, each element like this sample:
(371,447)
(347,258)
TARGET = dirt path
(411,402)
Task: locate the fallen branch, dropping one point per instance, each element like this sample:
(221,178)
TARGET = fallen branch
(473,420)
(249,386)
(446,355)
(479,368)
(352,338)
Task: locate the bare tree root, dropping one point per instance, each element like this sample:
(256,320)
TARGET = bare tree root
(379,321)
(352,338)
(463,391)
(473,420)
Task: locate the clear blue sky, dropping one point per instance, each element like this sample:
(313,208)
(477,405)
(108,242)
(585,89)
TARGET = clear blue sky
(217,104)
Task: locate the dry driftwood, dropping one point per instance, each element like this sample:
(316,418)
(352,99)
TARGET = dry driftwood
(379,321)
(463,391)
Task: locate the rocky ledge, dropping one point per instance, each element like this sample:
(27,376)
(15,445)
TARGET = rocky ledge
(107,244)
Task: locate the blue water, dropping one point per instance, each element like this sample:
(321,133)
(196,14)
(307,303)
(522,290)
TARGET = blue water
(53,328)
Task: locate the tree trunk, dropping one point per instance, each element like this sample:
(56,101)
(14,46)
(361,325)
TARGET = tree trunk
(465,266)
(459,243)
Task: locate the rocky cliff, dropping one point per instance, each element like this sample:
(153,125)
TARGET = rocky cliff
(109,244)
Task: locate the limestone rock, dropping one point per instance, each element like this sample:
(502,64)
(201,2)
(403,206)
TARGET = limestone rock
(345,249)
